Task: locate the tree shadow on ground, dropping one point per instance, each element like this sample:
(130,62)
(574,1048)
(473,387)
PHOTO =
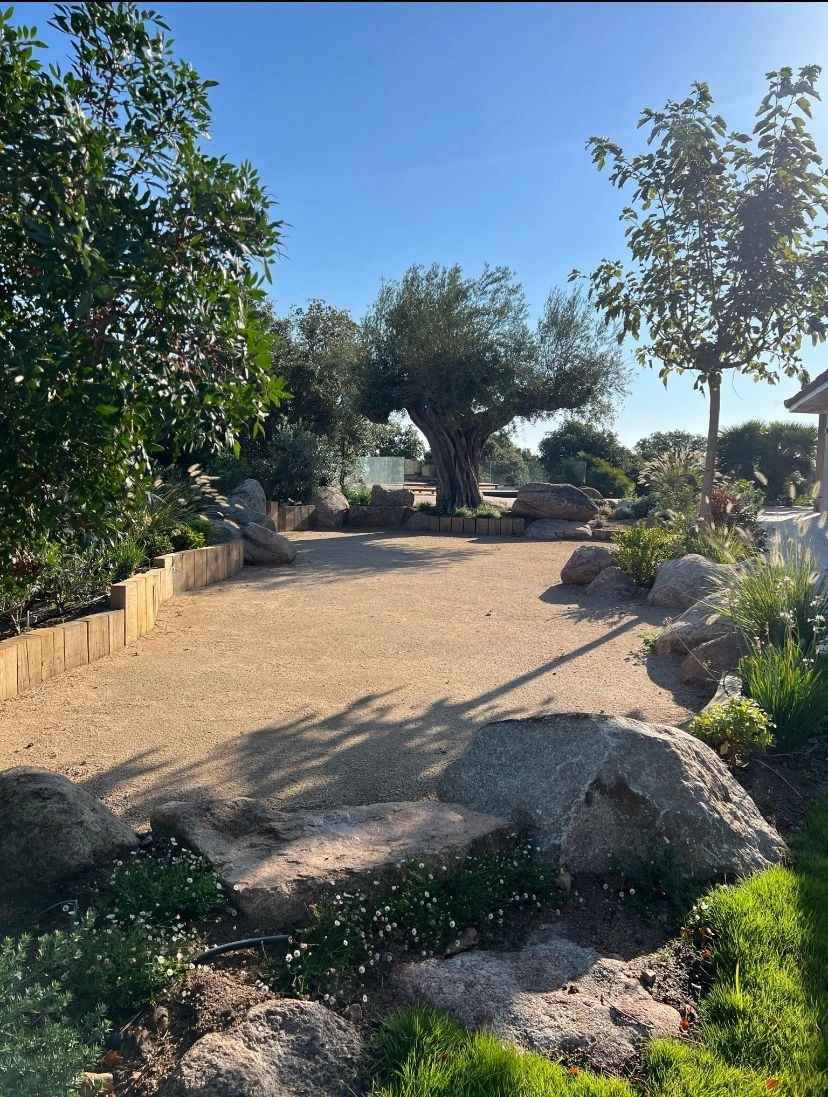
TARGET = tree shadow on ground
(361,754)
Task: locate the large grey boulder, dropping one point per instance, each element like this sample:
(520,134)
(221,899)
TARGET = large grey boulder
(553,501)
(551,996)
(682,582)
(391,497)
(613,585)
(586,563)
(557,529)
(249,496)
(265,547)
(418,520)
(606,793)
(276,863)
(623,510)
(51,829)
(709,661)
(331,508)
(283,1048)
(224,529)
(698,625)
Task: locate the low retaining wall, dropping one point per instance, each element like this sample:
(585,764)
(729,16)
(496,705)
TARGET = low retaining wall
(290,519)
(32,658)
(479,527)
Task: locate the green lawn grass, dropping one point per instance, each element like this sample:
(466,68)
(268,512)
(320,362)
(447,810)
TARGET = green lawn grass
(763,1026)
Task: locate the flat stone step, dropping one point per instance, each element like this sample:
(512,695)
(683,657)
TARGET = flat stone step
(276,863)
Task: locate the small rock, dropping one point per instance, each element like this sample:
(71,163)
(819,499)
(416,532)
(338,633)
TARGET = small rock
(353,1013)
(469,938)
(266,548)
(648,978)
(52,829)
(612,584)
(283,1048)
(159,1019)
(557,529)
(586,563)
(709,661)
(391,497)
(331,508)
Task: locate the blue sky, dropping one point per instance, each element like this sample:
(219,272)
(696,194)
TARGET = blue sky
(393,134)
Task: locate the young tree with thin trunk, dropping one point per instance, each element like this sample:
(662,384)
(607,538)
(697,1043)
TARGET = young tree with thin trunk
(722,232)
(459,356)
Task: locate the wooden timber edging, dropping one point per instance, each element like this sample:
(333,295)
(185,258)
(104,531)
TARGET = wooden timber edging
(33,657)
(290,519)
(476,527)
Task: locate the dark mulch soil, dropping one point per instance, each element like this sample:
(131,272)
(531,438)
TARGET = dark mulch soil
(45,615)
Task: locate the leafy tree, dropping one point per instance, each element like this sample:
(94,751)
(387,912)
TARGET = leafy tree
(128,261)
(505,460)
(397,439)
(726,270)
(668,441)
(458,355)
(575,437)
(773,455)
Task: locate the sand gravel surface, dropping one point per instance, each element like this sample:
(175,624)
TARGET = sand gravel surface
(352,677)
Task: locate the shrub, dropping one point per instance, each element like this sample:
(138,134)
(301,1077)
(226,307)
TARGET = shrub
(229,471)
(786,682)
(719,543)
(125,558)
(644,505)
(484,510)
(675,478)
(186,537)
(734,730)
(642,550)
(42,1054)
(358,497)
(608,479)
(785,597)
(292,464)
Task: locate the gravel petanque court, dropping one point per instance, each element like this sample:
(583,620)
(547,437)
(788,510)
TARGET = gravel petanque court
(352,677)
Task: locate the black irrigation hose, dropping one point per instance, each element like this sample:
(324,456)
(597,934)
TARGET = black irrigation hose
(234,946)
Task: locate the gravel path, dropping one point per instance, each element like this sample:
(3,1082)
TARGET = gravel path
(354,676)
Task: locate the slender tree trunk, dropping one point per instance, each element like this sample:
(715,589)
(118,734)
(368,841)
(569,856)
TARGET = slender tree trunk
(456,454)
(715,390)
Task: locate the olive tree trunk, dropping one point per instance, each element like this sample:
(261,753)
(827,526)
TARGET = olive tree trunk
(456,454)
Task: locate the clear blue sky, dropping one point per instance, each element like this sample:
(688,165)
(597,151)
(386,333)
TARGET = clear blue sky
(393,134)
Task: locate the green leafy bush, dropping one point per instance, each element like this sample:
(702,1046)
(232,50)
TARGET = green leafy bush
(642,550)
(42,1053)
(644,505)
(734,730)
(791,687)
(125,558)
(229,471)
(608,479)
(186,537)
(291,464)
(358,497)
(484,510)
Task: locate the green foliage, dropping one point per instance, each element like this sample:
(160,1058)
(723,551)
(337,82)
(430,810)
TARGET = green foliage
(787,597)
(779,458)
(423,1053)
(607,479)
(290,464)
(642,550)
(669,441)
(721,544)
(354,937)
(735,729)
(186,537)
(675,479)
(791,687)
(229,471)
(725,233)
(458,355)
(361,496)
(503,461)
(124,303)
(485,510)
(396,439)
(42,1054)
(575,438)
(166,883)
